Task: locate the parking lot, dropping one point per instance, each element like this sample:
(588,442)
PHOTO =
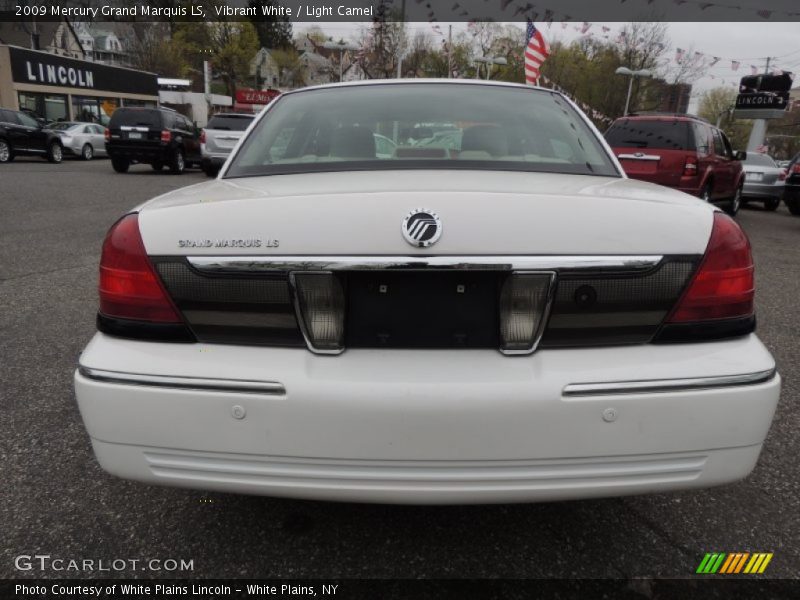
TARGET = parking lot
(56,500)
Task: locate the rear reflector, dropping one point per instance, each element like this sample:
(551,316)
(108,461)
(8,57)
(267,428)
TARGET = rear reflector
(320,306)
(723,287)
(129,288)
(524,303)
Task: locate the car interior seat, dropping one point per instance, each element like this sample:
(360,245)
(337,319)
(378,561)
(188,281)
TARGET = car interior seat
(352,142)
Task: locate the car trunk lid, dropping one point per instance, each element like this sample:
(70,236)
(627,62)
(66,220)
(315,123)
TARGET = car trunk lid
(361,213)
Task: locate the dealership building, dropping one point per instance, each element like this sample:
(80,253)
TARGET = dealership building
(59,88)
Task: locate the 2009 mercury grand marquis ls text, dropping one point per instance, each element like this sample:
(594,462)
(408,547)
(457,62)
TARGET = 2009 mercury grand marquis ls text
(426,292)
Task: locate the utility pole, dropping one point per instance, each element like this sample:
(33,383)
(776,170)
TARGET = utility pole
(400,48)
(450,52)
(759,131)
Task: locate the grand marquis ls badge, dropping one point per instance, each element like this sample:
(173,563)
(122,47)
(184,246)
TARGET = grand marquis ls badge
(422,227)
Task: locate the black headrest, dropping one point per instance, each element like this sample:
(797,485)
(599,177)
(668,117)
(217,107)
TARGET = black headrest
(485,138)
(352,142)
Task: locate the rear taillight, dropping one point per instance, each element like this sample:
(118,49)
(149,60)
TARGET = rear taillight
(782,175)
(129,287)
(203,136)
(723,286)
(107,134)
(166,136)
(690,168)
(795,169)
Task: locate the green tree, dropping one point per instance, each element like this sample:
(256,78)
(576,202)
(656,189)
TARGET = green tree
(158,53)
(716,106)
(229,45)
(273,31)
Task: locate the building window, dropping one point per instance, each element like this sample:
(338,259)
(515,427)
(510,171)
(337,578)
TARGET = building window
(51,107)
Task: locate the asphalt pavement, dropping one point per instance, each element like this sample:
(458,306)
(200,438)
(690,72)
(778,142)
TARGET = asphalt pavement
(55,500)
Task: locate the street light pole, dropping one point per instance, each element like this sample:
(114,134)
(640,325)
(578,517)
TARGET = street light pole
(628,99)
(631,74)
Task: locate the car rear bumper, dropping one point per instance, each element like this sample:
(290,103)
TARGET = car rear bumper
(762,190)
(427,427)
(141,153)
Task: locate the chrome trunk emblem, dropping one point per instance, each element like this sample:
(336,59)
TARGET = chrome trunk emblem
(422,227)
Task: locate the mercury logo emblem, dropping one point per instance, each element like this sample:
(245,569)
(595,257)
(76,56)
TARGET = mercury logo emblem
(422,227)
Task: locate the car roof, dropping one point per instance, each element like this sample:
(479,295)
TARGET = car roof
(419,81)
(665,117)
(143,108)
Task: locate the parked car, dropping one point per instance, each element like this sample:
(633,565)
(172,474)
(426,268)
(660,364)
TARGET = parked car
(21,134)
(85,140)
(157,136)
(219,137)
(791,191)
(683,152)
(516,320)
(763,180)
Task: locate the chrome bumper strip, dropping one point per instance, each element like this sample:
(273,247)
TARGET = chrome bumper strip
(212,264)
(239,386)
(666,385)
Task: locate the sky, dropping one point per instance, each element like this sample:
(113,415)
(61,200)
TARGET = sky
(749,43)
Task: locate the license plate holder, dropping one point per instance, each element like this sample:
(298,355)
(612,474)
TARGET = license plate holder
(430,309)
(134,135)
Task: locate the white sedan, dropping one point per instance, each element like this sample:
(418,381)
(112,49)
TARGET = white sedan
(507,318)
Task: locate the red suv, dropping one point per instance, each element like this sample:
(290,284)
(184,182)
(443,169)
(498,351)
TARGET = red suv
(682,152)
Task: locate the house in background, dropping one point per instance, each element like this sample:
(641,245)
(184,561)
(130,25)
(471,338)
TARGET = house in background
(264,70)
(318,69)
(109,44)
(58,37)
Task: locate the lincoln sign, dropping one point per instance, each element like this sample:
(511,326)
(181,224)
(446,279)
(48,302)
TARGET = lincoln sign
(760,100)
(763,96)
(41,68)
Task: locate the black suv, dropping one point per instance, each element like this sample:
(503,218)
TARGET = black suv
(22,134)
(157,136)
(791,192)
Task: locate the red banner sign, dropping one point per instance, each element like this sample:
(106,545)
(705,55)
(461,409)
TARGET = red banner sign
(249,96)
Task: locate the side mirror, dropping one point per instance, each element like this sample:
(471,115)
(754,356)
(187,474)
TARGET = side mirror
(739,155)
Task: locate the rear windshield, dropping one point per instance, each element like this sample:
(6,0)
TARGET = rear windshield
(762,160)
(422,126)
(62,126)
(634,133)
(140,117)
(230,122)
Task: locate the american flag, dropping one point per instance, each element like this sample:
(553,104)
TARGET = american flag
(536,52)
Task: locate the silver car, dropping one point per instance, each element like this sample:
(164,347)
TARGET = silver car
(85,140)
(219,138)
(763,180)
